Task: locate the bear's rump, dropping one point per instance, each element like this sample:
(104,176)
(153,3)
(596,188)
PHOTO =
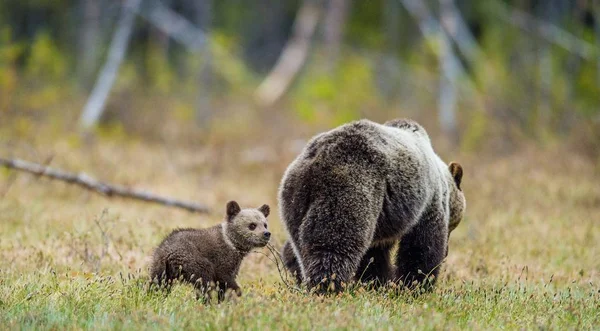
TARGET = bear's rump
(365,158)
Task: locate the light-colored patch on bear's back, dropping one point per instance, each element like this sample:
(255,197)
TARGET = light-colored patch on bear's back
(379,139)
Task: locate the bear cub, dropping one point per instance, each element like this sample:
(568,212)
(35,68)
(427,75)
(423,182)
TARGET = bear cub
(210,258)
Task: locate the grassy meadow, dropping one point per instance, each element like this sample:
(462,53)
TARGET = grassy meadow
(526,255)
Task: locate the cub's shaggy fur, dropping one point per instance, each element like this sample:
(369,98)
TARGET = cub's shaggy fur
(355,191)
(210,258)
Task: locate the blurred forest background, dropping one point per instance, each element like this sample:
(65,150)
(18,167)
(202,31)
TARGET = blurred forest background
(480,75)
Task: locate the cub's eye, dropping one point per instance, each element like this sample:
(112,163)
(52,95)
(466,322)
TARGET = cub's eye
(265,225)
(252,226)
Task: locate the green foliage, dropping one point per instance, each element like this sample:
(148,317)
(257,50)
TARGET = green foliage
(113,130)
(129,77)
(337,96)
(161,77)
(9,52)
(227,73)
(476,129)
(588,89)
(46,61)
(46,74)
(364,26)
(227,63)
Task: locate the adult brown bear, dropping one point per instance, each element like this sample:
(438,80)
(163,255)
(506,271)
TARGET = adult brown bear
(355,191)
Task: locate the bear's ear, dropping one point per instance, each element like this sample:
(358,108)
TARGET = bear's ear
(457,172)
(265,209)
(232,209)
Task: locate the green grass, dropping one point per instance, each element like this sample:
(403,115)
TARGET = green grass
(45,299)
(525,257)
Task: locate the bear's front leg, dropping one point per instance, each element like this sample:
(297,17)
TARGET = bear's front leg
(230,289)
(226,287)
(233,286)
(422,251)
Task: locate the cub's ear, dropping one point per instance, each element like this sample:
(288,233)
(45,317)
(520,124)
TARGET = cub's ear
(457,172)
(265,209)
(232,209)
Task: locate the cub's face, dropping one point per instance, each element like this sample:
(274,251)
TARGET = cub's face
(248,226)
(458,204)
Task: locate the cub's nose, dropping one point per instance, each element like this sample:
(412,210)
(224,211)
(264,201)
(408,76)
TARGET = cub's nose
(267,235)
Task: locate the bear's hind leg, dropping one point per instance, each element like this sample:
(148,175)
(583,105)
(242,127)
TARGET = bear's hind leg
(190,269)
(333,241)
(375,265)
(422,251)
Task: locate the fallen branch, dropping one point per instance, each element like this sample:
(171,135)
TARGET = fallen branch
(94,185)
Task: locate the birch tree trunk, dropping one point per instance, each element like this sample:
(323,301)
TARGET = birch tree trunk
(174,25)
(333,28)
(391,19)
(548,31)
(203,13)
(95,105)
(89,40)
(387,78)
(159,37)
(457,28)
(450,65)
(292,57)
(448,77)
(545,69)
(597,30)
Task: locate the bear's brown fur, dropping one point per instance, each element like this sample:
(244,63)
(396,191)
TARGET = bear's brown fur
(210,258)
(358,189)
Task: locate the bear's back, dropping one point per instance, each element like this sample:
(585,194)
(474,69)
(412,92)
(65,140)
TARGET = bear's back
(191,241)
(386,148)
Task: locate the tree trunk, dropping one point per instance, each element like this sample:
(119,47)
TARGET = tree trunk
(448,77)
(333,28)
(160,37)
(174,25)
(545,70)
(202,19)
(548,31)
(292,57)
(597,30)
(450,65)
(391,24)
(89,41)
(95,104)
(457,28)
